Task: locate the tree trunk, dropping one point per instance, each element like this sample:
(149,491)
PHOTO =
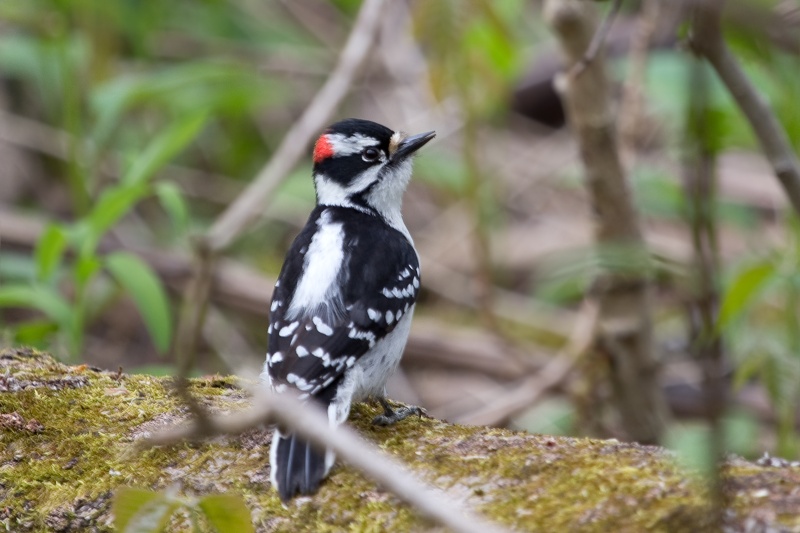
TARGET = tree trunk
(624,340)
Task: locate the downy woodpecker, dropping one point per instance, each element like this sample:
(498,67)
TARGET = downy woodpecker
(342,306)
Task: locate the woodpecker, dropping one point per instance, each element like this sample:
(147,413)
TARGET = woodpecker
(342,306)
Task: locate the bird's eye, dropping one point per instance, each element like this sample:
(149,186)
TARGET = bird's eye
(370,155)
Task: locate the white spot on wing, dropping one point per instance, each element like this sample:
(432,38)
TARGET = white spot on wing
(288,330)
(322,327)
(277,357)
(356,333)
(416,282)
(389,317)
(386,292)
(373,314)
(301,351)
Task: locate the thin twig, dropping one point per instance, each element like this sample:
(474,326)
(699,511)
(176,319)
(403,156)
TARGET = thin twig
(598,40)
(312,424)
(247,208)
(632,105)
(195,303)
(707,40)
(527,392)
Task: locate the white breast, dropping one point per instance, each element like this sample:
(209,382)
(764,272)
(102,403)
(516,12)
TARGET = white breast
(323,262)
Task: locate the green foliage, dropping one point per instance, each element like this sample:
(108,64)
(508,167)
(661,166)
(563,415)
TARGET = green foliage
(226,512)
(142,511)
(485,34)
(49,251)
(138,279)
(163,148)
(83,237)
(691,441)
(146,511)
(758,317)
(129,89)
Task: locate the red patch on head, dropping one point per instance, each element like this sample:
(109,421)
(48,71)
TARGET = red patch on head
(323,149)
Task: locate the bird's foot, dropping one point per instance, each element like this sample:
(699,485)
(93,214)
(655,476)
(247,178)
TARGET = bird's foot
(391,415)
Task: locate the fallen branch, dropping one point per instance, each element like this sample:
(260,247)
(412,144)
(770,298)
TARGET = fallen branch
(312,424)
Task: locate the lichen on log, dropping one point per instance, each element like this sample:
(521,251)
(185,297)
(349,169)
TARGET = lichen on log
(67,435)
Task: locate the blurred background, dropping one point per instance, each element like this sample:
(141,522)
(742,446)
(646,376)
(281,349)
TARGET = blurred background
(127,127)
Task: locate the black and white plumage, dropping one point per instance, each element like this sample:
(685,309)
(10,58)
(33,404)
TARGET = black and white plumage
(342,306)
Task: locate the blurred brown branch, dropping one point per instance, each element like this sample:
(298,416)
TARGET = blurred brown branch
(625,330)
(251,202)
(528,391)
(707,41)
(311,423)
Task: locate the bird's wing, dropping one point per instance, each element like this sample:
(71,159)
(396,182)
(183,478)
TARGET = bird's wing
(311,350)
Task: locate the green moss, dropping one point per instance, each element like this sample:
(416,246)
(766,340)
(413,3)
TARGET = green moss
(69,446)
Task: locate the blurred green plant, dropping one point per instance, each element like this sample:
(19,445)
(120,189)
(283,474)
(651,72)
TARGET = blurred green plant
(120,89)
(758,316)
(147,511)
(47,292)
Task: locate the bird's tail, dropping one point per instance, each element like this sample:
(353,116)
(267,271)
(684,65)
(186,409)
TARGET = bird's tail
(296,466)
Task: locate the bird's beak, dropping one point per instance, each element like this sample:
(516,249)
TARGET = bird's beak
(411,144)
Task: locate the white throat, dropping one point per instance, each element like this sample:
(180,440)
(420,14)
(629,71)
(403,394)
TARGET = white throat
(385,196)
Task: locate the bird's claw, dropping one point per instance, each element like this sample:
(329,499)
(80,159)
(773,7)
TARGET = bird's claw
(391,416)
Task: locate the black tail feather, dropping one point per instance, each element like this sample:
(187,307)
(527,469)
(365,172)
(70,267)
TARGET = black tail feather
(300,467)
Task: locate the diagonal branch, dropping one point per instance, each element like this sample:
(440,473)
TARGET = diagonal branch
(250,204)
(312,424)
(708,42)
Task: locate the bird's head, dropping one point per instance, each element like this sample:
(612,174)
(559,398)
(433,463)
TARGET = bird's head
(366,166)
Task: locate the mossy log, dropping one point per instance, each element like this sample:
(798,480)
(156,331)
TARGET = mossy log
(67,435)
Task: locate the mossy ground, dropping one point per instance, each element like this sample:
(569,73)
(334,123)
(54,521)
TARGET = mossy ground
(66,437)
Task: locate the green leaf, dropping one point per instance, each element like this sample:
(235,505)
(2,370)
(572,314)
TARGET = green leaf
(743,288)
(138,280)
(49,251)
(747,369)
(174,204)
(141,511)
(113,204)
(40,297)
(164,147)
(35,333)
(226,512)
(85,268)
